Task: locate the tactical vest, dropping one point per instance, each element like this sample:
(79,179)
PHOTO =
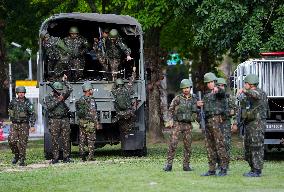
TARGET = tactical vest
(20,110)
(184,110)
(85,106)
(122,99)
(214,104)
(60,111)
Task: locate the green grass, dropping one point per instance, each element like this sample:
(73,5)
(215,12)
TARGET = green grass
(112,172)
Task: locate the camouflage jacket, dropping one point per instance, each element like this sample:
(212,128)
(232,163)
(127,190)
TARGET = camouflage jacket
(21,111)
(255,101)
(115,50)
(215,103)
(51,49)
(77,47)
(86,108)
(54,107)
(124,91)
(183,109)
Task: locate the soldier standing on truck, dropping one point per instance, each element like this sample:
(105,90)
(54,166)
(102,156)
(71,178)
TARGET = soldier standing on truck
(114,48)
(213,104)
(86,110)
(21,113)
(182,112)
(99,47)
(57,55)
(125,111)
(77,47)
(58,119)
(254,113)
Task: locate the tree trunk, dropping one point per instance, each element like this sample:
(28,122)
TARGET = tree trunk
(152,61)
(3,66)
(92,5)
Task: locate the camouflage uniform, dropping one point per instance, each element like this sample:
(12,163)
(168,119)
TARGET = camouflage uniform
(100,48)
(125,116)
(214,139)
(21,113)
(254,115)
(183,111)
(59,123)
(77,48)
(86,110)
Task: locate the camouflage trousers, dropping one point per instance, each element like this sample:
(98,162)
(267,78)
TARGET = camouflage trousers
(87,137)
(226,130)
(214,142)
(125,121)
(77,66)
(114,63)
(254,143)
(60,130)
(185,129)
(18,139)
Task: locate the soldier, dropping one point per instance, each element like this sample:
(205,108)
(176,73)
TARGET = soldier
(114,47)
(86,110)
(182,112)
(230,108)
(254,113)
(99,47)
(21,113)
(77,46)
(213,103)
(59,123)
(125,116)
(57,55)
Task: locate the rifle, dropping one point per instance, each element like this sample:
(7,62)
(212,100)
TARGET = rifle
(101,41)
(201,113)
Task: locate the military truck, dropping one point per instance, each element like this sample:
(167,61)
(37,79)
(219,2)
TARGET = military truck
(270,70)
(90,26)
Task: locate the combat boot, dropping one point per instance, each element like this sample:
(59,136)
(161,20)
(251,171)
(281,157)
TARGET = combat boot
(67,160)
(54,161)
(209,173)
(222,172)
(168,167)
(187,168)
(254,173)
(22,162)
(15,160)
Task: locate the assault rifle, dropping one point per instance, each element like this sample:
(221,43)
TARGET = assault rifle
(101,41)
(201,113)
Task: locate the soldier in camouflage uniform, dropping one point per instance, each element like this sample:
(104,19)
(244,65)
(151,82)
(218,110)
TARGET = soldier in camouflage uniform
(114,48)
(57,55)
(21,113)
(77,47)
(213,103)
(230,109)
(182,112)
(59,122)
(125,112)
(99,47)
(86,110)
(254,113)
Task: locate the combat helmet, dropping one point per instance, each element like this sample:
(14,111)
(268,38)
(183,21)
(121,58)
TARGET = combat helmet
(119,81)
(208,77)
(73,30)
(185,83)
(58,86)
(251,79)
(87,86)
(113,33)
(21,89)
(221,81)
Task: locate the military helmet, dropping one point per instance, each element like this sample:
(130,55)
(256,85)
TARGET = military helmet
(208,77)
(221,81)
(73,30)
(87,86)
(113,33)
(21,89)
(185,83)
(58,86)
(119,81)
(251,79)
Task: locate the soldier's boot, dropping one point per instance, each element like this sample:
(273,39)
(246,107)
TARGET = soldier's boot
(209,173)
(22,162)
(67,160)
(83,157)
(222,172)
(168,167)
(253,173)
(187,168)
(15,160)
(54,161)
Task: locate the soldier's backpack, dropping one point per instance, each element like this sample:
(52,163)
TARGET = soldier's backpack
(123,100)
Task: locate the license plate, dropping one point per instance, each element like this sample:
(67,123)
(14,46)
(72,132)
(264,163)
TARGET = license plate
(275,126)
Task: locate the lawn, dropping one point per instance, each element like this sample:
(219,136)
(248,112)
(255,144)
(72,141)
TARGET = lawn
(112,172)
